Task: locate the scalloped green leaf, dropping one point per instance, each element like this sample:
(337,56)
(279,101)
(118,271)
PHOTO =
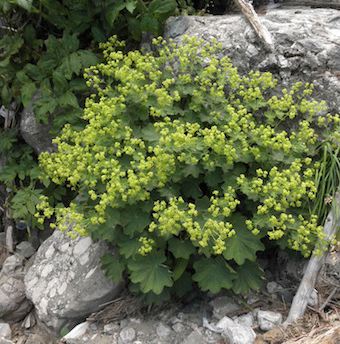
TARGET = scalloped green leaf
(129,247)
(151,273)
(180,248)
(134,220)
(213,274)
(244,244)
(249,276)
(179,269)
(113,267)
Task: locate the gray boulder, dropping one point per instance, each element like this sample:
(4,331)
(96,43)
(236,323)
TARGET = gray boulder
(306,45)
(13,303)
(34,133)
(66,283)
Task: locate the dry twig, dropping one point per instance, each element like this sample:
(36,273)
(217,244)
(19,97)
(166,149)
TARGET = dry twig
(262,32)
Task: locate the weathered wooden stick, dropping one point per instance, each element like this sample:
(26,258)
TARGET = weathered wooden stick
(307,284)
(249,12)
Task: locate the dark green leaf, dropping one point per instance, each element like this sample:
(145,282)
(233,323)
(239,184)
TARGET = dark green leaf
(162,6)
(181,249)
(70,42)
(6,95)
(113,11)
(78,85)
(26,4)
(248,276)
(191,170)
(104,231)
(27,92)
(68,99)
(7,174)
(149,24)
(183,285)
(151,273)
(134,28)
(131,5)
(149,133)
(129,247)
(181,265)
(243,245)
(98,34)
(87,58)
(32,71)
(59,82)
(71,64)
(213,274)
(7,140)
(29,34)
(113,267)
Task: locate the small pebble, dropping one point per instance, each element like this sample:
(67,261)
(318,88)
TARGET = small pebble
(127,334)
(163,330)
(268,319)
(178,327)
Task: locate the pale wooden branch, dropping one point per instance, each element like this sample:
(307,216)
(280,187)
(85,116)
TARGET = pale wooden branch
(262,32)
(307,284)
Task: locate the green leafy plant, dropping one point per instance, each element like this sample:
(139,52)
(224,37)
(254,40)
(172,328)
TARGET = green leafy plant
(189,168)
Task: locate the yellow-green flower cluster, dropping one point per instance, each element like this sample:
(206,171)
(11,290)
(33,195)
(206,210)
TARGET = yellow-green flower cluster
(301,238)
(223,206)
(177,217)
(44,210)
(280,190)
(146,245)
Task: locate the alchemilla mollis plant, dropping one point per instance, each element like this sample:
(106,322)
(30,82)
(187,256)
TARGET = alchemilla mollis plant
(188,168)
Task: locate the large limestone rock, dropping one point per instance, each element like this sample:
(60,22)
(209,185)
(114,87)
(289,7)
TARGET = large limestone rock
(65,282)
(306,45)
(34,133)
(13,303)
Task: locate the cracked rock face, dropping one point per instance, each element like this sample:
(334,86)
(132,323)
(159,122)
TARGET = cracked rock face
(65,282)
(306,45)
(13,303)
(34,133)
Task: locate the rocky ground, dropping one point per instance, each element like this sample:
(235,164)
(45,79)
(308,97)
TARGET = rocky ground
(202,319)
